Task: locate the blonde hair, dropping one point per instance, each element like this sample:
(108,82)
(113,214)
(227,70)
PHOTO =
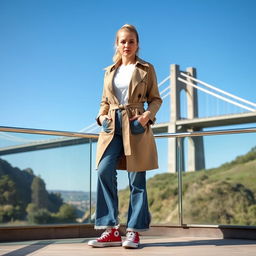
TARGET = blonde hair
(117,56)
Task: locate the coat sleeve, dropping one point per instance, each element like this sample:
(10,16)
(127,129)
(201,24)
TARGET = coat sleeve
(153,97)
(104,105)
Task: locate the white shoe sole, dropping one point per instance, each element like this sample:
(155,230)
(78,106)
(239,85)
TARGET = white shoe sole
(130,245)
(96,244)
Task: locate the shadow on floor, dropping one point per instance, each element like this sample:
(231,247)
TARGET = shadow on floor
(32,246)
(37,245)
(215,242)
(28,249)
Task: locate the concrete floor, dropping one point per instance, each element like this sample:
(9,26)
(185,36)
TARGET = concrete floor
(181,246)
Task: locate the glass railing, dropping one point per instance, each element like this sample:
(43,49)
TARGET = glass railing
(49,177)
(46,177)
(224,192)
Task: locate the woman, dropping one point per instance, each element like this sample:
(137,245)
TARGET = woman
(126,141)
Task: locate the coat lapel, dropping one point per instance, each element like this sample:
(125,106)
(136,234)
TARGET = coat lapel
(137,77)
(109,82)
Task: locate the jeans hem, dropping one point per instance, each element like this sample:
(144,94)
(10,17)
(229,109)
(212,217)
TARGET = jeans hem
(106,227)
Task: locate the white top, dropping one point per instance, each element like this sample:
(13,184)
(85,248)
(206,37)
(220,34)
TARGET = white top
(121,82)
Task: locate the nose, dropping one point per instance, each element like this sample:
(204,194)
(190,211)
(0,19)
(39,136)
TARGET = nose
(126,44)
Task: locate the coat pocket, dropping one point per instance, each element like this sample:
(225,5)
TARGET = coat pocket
(105,125)
(136,127)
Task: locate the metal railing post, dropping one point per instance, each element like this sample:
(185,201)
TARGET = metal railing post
(179,171)
(90,194)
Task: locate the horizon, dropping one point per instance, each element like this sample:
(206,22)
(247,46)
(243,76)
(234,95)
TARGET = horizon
(119,174)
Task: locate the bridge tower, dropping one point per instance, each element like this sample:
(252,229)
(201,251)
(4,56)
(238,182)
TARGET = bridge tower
(195,148)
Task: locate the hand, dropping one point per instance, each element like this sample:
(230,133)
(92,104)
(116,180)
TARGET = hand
(142,119)
(103,117)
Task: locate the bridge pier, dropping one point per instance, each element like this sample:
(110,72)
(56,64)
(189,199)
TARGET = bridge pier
(195,148)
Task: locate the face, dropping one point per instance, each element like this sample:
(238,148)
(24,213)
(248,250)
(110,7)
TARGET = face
(127,44)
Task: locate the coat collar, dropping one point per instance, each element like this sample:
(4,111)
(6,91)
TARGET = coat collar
(138,62)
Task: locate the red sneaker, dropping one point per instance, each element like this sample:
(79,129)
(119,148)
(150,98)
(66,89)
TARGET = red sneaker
(132,240)
(111,237)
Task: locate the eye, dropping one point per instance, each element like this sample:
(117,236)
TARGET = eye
(123,42)
(131,41)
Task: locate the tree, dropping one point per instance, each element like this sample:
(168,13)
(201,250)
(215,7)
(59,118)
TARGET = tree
(39,194)
(38,216)
(7,191)
(29,171)
(67,214)
(54,202)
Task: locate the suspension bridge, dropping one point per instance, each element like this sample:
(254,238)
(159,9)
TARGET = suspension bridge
(179,83)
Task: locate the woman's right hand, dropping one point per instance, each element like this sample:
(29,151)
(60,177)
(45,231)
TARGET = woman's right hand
(103,117)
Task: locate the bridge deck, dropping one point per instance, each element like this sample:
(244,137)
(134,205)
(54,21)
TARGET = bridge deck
(159,245)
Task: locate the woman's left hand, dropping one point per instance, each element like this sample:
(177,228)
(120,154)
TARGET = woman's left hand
(142,119)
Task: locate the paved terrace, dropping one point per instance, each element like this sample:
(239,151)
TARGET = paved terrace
(71,240)
(160,245)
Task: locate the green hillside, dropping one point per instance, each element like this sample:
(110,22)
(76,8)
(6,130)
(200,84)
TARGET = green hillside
(224,195)
(24,199)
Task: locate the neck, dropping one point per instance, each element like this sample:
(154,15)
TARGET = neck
(128,60)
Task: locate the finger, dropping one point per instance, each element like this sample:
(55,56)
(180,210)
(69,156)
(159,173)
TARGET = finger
(107,117)
(141,122)
(134,117)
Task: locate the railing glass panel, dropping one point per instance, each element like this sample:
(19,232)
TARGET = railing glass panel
(51,179)
(224,192)
(46,180)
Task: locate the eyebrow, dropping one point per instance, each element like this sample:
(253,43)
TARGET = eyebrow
(127,39)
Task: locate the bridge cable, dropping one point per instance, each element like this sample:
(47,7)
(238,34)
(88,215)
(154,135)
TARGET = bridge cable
(216,95)
(219,90)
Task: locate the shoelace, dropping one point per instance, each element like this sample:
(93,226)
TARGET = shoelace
(105,233)
(131,235)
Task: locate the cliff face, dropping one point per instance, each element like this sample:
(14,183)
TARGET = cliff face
(18,188)
(15,187)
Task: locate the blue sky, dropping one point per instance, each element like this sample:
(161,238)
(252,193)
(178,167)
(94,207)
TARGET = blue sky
(52,55)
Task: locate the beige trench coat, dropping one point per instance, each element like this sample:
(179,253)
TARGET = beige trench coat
(140,153)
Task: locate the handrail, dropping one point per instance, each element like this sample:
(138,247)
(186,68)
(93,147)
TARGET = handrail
(49,132)
(205,133)
(95,135)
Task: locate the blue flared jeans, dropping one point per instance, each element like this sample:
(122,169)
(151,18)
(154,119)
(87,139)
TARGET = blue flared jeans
(107,194)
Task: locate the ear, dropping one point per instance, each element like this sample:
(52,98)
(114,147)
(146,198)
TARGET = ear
(138,48)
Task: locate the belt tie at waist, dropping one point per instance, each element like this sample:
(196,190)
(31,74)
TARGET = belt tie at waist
(126,122)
